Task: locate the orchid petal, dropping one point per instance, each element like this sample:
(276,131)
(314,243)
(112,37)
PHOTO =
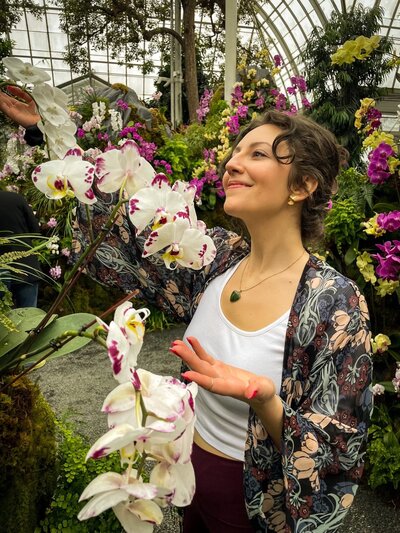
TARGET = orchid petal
(143,206)
(130,522)
(141,178)
(25,72)
(146,491)
(122,398)
(197,249)
(179,477)
(106,482)
(118,347)
(164,236)
(101,503)
(110,171)
(115,439)
(147,511)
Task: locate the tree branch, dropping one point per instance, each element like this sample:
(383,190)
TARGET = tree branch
(149,34)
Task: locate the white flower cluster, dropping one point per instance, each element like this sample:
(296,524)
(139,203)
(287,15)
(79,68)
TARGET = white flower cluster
(55,123)
(150,418)
(53,246)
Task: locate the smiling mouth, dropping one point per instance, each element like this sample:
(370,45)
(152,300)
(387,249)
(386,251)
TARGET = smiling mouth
(237,185)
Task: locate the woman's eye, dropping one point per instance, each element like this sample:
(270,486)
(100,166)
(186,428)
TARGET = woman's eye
(257,153)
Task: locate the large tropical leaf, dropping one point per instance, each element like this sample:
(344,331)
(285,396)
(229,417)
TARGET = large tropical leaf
(58,327)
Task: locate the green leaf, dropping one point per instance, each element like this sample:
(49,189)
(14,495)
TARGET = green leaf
(388,386)
(351,254)
(57,328)
(384,207)
(25,319)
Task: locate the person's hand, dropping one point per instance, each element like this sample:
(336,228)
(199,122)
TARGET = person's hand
(220,378)
(22,111)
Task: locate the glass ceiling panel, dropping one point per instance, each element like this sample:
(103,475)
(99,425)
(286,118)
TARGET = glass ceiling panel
(282,25)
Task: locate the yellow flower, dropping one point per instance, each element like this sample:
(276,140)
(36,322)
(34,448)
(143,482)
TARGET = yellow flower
(378,137)
(380,343)
(372,227)
(367,102)
(254,115)
(364,265)
(393,164)
(248,95)
(275,71)
(262,83)
(251,73)
(359,48)
(386,286)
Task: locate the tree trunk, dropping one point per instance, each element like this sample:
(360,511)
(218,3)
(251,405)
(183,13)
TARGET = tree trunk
(190,58)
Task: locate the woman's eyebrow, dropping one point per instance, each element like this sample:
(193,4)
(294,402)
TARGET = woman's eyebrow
(252,145)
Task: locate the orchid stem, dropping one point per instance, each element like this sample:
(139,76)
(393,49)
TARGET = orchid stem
(89,219)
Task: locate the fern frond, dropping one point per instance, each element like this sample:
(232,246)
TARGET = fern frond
(13,257)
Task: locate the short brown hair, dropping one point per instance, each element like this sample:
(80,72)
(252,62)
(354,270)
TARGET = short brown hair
(313,152)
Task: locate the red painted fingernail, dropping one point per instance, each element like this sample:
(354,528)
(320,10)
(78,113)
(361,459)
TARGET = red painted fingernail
(173,351)
(253,394)
(187,379)
(190,340)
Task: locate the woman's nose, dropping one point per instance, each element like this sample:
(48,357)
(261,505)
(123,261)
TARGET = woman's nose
(234,164)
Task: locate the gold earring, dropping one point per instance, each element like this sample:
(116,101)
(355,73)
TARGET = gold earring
(291,200)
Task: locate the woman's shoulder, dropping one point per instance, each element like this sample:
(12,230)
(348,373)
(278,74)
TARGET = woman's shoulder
(319,269)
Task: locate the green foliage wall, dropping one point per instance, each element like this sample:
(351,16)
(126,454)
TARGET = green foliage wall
(27,458)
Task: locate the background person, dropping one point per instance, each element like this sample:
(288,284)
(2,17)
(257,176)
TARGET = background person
(17,218)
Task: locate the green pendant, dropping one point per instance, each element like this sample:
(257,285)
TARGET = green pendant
(235,296)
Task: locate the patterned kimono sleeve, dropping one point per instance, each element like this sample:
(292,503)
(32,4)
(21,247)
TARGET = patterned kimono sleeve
(324,435)
(118,262)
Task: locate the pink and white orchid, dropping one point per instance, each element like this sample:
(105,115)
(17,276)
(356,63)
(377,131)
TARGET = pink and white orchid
(125,339)
(125,167)
(66,177)
(132,500)
(184,245)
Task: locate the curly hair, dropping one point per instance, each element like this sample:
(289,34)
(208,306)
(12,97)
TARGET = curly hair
(313,152)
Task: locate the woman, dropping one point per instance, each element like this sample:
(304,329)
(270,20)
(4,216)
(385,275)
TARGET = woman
(277,340)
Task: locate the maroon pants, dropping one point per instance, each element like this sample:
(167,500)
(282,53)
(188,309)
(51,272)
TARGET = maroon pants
(218,503)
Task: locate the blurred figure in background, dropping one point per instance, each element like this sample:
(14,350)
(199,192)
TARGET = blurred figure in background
(17,218)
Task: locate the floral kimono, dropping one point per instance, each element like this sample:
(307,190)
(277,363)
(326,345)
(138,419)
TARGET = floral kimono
(310,484)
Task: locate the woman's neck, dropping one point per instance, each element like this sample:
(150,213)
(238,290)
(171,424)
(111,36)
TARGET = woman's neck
(273,248)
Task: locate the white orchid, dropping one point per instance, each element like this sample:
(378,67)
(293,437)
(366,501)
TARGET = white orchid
(24,72)
(60,139)
(48,100)
(178,477)
(125,339)
(132,500)
(163,398)
(156,204)
(184,245)
(123,167)
(66,177)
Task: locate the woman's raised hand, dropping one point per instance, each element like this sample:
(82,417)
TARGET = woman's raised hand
(22,111)
(221,378)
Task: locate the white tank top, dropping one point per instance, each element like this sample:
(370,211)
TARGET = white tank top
(221,420)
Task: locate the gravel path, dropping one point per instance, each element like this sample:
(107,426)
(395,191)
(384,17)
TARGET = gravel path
(76,386)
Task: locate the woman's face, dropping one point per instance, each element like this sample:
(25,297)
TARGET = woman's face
(255,183)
